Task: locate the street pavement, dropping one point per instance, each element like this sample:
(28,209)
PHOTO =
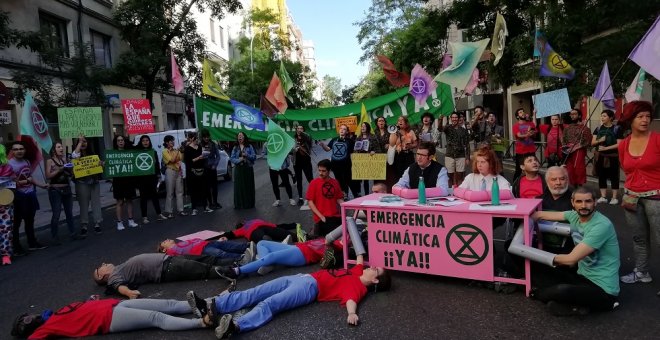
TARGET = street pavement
(418,306)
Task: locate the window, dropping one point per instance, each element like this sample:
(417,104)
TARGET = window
(212,30)
(101,49)
(221,36)
(55,34)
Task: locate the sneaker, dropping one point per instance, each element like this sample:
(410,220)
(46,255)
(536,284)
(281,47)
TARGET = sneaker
(300,233)
(198,305)
(37,246)
(328,260)
(263,270)
(636,276)
(97,229)
(287,240)
(305,206)
(161,217)
(83,231)
(293,202)
(250,254)
(145,220)
(120,225)
(6,260)
(276,203)
(208,210)
(227,273)
(183,213)
(601,200)
(194,212)
(226,327)
(559,309)
(614,201)
(132,224)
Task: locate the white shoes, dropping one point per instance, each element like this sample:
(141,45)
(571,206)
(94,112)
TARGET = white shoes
(120,225)
(614,201)
(131,224)
(601,200)
(293,202)
(276,203)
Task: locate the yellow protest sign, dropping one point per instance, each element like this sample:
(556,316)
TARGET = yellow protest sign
(86,166)
(367,166)
(350,121)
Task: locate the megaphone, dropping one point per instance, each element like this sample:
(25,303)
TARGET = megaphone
(392,128)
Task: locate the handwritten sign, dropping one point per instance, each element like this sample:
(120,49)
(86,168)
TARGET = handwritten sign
(137,116)
(86,166)
(441,243)
(367,166)
(73,121)
(551,103)
(350,121)
(124,163)
(5,117)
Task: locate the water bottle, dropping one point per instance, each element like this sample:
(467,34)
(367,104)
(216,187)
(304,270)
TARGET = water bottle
(495,192)
(422,190)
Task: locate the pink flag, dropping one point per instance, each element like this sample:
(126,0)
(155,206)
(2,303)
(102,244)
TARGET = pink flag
(474,82)
(421,84)
(177,80)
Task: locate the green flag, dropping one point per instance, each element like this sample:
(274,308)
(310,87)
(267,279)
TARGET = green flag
(215,115)
(287,83)
(278,145)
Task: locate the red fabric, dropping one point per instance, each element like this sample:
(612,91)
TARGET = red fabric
(275,94)
(78,319)
(340,285)
(324,194)
(526,145)
(313,250)
(551,138)
(577,167)
(531,189)
(189,247)
(251,225)
(641,172)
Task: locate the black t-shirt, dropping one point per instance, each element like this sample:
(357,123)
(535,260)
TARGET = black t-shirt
(563,203)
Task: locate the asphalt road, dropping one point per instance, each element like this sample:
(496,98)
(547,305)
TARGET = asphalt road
(418,306)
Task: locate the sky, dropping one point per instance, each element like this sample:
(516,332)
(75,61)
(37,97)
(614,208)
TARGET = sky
(330,25)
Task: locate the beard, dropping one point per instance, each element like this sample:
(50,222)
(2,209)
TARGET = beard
(558,192)
(585,212)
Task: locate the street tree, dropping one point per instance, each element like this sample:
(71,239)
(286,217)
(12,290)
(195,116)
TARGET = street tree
(330,91)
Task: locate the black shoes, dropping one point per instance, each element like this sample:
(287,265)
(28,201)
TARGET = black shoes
(198,305)
(227,273)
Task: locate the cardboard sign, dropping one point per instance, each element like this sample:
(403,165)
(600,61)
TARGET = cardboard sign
(5,117)
(551,103)
(367,166)
(433,242)
(137,116)
(86,166)
(125,163)
(74,121)
(350,121)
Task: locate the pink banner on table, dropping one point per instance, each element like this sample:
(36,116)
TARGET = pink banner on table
(137,116)
(432,242)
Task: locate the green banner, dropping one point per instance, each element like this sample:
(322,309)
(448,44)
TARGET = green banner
(124,163)
(319,123)
(73,121)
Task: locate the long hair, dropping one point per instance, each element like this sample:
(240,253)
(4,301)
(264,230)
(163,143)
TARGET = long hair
(149,139)
(488,153)
(246,141)
(114,142)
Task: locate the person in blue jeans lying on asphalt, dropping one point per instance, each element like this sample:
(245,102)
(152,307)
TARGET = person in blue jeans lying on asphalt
(221,249)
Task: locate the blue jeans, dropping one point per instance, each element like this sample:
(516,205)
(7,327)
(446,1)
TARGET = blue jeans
(59,197)
(225,249)
(268,299)
(272,253)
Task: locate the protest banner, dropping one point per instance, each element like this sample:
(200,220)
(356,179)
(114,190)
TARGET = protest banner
(74,121)
(351,122)
(137,116)
(124,163)
(86,166)
(368,166)
(551,103)
(5,117)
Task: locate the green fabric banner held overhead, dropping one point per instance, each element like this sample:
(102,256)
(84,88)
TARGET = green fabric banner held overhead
(319,123)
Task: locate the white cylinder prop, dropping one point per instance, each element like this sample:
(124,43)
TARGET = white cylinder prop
(518,247)
(556,228)
(355,236)
(334,235)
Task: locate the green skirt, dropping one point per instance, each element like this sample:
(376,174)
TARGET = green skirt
(243,187)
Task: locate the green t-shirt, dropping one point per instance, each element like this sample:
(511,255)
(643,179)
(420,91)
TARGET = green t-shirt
(601,266)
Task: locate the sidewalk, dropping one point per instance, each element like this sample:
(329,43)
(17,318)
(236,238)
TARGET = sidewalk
(43,216)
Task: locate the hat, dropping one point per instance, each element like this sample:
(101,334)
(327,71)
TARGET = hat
(631,110)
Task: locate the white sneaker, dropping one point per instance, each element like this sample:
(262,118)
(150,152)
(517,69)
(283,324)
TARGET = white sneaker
(132,224)
(120,225)
(276,203)
(145,220)
(293,202)
(287,240)
(194,212)
(614,201)
(601,200)
(636,276)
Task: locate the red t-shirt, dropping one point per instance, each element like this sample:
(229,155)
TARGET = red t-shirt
(531,189)
(553,139)
(641,172)
(189,247)
(251,225)
(324,194)
(340,285)
(526,145)
(78,319)
(313,250)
